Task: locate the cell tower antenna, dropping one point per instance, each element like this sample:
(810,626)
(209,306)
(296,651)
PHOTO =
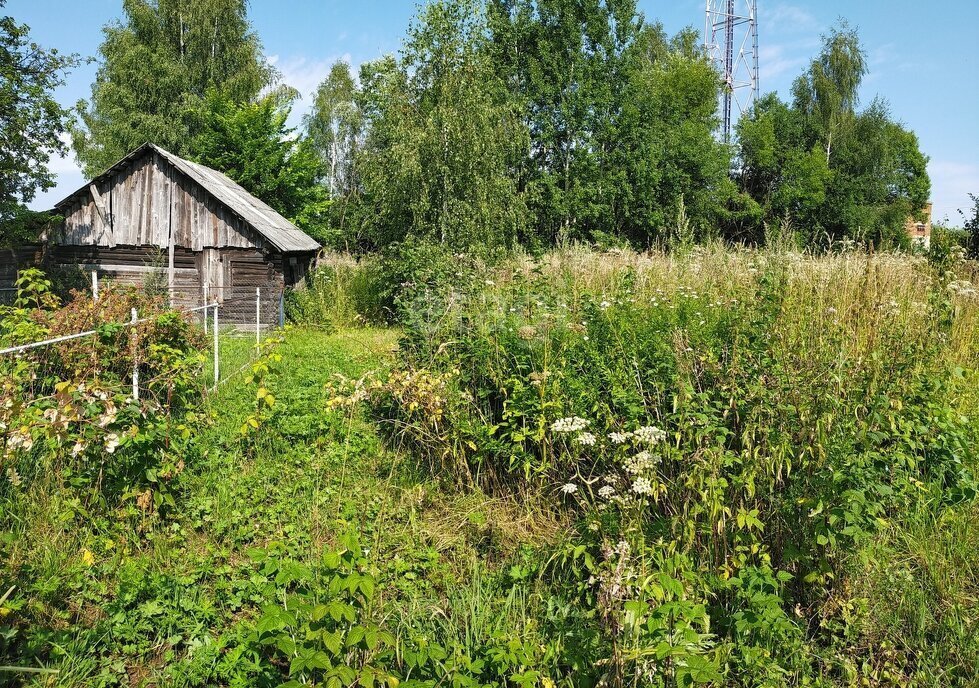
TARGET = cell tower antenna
(731,43)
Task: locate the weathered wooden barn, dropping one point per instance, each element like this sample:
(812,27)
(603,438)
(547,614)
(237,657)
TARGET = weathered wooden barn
(154,215)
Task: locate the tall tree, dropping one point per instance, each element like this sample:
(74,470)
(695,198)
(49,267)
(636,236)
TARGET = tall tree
(567,61)
(828,93)
(971,224)
(334,126)
(31,120)
(157,66)
(832,170)
(443,137)
(255,147)
(620,119)
(782,168)
(668,166)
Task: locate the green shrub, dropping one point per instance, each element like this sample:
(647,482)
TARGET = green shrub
(339,293)
(911,595)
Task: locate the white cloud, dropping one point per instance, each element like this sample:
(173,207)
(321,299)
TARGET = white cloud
(777,60)
(64,164)
(304,74)
(951,182)
(785,18)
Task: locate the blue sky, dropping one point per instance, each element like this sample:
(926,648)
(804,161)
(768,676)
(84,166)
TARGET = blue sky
(923,59)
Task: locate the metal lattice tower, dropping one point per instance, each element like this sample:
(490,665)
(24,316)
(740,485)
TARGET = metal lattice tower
(731,42)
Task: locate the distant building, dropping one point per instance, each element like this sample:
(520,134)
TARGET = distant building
(919,231)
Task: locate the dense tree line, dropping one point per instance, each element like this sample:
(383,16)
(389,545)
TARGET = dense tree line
(504,122)
(831,170)
(534,121)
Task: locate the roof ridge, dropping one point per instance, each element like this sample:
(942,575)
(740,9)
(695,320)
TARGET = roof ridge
(256,213)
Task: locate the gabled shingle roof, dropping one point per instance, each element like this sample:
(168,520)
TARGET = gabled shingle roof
(279,232)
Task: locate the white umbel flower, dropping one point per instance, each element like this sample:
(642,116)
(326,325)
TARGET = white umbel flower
(643,462)
(586,439)
(649,434)
(570,424)
(619,437)
(569,488)
(642,486)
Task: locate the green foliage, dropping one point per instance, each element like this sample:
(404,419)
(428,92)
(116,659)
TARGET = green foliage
(702,468)
(612,106)
(691,429)
(833,172)
(341,292)
(971,225)
(335,126)
(910,586)
(264,410)
(321,630)
(443,135)
(252,144)
(31,120)
(418,278)
(69,407)
(157,68)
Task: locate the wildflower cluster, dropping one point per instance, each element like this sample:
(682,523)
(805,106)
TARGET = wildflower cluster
(635,460)
(420,392)
(963,288)
(641,463)
(649,434)
(569,425)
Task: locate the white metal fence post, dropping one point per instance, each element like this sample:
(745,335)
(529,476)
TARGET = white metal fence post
(282,308)
(207,297)
(216,357)
(258,317)
(95,285)
(135,357)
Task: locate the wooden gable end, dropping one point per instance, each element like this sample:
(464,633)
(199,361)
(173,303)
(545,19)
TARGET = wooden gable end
(146,200)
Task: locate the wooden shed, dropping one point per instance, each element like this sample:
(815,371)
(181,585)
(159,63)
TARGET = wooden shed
(189,227)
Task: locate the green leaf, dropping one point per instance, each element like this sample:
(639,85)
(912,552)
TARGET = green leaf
(355,635)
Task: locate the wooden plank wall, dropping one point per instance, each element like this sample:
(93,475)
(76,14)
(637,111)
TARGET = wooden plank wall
(13,260)
(244,271)
(136,266)
(235,273)
(145,199)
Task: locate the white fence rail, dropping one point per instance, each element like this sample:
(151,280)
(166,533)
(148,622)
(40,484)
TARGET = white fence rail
(210,311)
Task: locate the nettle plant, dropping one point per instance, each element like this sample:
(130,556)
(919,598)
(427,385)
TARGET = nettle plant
(264,404)
(321,633)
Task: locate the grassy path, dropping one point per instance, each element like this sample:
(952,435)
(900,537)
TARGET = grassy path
(161,606)
(137,600)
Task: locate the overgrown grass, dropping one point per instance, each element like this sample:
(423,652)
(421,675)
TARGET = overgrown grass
(129,597)
(729,428)
(804,428)
(341,292)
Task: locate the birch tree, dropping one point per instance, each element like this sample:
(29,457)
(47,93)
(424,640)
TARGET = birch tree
(334,127)
(157,65)
(443,137)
